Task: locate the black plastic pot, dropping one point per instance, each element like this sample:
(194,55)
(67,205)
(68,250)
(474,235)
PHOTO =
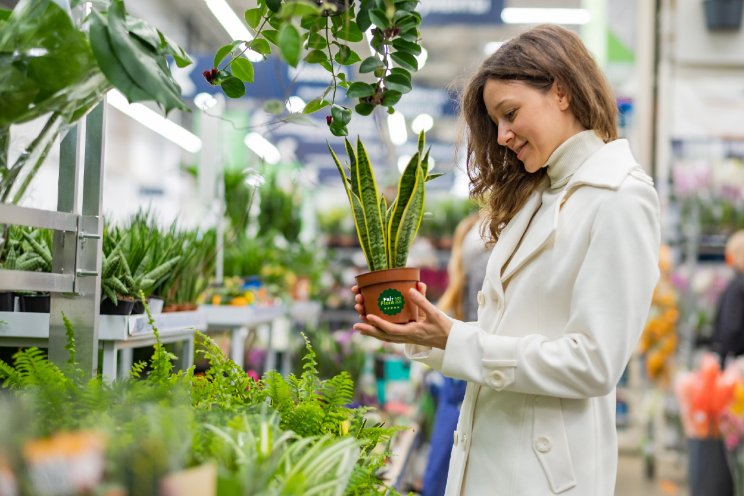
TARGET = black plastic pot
(6,301)
(138,308)
(124,307)
(34,303)
(723,15)
(709,472)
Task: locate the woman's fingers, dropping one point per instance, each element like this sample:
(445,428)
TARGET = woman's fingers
(419,299)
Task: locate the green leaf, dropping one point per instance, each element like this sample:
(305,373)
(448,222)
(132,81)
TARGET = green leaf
(369,197)
(349,32)
(107,61)
(410,221)
(272,35)
(364,108)
(316,41)
(406,186)
(360,90)
(371,64)
(399,71)
(233,87)
(290,44)
(379,19)
(274,106)
(397,82)
(434,176)
(5,14)
(299,8)
(223,51)
(259,45)
(274,5)
(362,19)
(338,129)
(253,17)
(315,105)
(242,68)
(411,35)
(390,97)
(316,56)
(346,56)
(405,60)
(341,115)
(406,46)
(140,64)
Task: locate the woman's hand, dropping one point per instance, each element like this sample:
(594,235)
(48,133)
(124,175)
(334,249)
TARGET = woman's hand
(431,329)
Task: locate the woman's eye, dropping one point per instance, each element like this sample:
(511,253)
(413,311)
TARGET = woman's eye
(510,115)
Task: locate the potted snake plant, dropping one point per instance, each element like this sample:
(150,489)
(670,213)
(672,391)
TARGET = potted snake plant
(386,231)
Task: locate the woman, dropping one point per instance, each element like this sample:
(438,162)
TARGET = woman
(568,285)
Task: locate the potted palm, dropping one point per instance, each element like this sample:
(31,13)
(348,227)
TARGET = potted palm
(386,232)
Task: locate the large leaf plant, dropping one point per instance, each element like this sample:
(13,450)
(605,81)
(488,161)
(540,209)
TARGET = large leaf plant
(58,62)
(385,232)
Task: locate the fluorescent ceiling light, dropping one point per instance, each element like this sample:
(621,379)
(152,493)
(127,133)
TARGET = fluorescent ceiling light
(295,104)
(422,122)
(403,162)
(263,148)
(151,119)
(233,25)
(513,15)
(397,128)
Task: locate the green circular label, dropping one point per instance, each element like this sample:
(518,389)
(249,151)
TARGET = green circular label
(390,302)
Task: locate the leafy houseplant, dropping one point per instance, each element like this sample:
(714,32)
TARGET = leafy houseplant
(323,32)
(386,232)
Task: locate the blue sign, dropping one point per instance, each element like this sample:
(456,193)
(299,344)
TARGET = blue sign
(442,12)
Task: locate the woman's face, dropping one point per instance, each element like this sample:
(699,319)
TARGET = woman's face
(531,123)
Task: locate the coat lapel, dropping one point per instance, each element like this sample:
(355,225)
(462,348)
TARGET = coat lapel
(509,240)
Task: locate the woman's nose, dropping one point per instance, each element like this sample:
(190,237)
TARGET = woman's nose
(505,135)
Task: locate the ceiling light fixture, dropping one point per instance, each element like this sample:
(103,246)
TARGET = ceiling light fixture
(152,120)
(397,128)
(511,15)
(422,122)
(234,26)
(263,148)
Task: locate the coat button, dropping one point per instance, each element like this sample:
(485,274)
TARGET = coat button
(498,379)
(543,444)
(454,438)
(481,298)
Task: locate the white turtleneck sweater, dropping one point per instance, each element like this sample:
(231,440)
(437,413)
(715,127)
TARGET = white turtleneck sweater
(562,163)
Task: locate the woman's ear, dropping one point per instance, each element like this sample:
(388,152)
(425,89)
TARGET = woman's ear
(561,95)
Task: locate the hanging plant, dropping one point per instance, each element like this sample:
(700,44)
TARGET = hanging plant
(322,32)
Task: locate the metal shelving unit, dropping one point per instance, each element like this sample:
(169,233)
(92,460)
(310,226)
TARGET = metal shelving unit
(74,283)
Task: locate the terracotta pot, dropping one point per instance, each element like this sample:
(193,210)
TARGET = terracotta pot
(385,293)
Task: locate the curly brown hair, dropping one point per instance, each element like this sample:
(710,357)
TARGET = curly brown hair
(539,57)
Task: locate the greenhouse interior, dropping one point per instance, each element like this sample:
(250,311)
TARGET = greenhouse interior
(371,247)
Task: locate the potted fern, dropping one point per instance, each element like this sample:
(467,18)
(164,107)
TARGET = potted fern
(386,232)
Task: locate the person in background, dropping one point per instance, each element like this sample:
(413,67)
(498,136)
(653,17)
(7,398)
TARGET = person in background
(568,286)
(728,326)
(466,269)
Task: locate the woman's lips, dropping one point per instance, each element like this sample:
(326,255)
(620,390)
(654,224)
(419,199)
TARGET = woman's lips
(520,151)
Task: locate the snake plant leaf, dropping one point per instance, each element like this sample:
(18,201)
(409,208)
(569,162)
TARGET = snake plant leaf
(410,221)
(369,196)
(406,185)
(352,166)
(356,208)
(429,177)
(109,292)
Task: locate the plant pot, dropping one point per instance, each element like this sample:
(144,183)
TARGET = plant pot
(34,303)
(123,307)
(723,15)
(385,293)
(138,308)
(6,301)
(155,304)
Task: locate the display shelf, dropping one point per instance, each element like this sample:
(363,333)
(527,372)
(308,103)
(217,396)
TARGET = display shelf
(242,321)
(118,335)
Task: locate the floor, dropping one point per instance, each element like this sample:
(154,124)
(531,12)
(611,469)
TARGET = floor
(670,479)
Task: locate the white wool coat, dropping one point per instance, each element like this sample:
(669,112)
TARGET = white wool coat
(538,416)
